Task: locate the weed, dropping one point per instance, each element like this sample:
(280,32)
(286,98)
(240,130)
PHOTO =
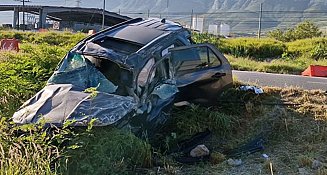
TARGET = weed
(216,158)
(305,161)
(322,171)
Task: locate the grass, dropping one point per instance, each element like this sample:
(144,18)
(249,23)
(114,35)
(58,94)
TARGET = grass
(107,151)
(32,152)
(269,55)
(283,66)
(296,133)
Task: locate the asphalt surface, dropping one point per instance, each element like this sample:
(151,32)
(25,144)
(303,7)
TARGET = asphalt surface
(281,80)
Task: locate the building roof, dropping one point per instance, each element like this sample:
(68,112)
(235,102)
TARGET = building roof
(76,14)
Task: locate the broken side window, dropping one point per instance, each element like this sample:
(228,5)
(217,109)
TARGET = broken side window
(166,50)
(144,74)
(113,72)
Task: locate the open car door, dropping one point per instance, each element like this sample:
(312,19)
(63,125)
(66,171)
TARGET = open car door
(201,72)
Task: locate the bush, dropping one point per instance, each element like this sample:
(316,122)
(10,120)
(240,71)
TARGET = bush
(303,30)
(319,51)
(23,74)
(206,38)
(314,48)
(259,49)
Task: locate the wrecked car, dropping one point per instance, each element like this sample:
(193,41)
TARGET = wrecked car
(129,75)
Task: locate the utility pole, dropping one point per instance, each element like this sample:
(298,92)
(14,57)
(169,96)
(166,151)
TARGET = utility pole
(260,18)
(103,11)
(23,1)
(78,3)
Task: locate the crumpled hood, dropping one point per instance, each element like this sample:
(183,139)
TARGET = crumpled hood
(58,103)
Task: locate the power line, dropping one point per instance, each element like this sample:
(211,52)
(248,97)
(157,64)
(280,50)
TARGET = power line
(238,12)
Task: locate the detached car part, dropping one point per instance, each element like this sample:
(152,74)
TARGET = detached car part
(129,75)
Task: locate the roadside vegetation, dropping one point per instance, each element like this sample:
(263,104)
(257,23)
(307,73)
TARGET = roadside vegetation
(293,121)
(303,30)
(288,52)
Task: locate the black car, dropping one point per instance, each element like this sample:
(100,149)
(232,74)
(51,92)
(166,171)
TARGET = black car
(129,75)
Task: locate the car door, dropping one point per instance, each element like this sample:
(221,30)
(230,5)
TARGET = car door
(201,72)
(157,97)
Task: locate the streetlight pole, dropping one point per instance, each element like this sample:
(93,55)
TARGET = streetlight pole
(103,11)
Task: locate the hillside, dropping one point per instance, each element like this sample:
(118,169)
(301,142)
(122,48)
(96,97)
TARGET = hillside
(220,5)
(242,15)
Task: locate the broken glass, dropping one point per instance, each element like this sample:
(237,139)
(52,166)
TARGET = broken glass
(79,72)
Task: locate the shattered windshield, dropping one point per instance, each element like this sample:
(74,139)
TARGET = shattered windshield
(75,69)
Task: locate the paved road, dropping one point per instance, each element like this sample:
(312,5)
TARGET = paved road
(281,80)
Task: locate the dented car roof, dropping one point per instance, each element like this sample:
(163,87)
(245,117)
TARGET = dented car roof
(133,39)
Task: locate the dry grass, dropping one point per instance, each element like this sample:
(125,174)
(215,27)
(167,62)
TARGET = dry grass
(30,152)
(296,134)
(26,158)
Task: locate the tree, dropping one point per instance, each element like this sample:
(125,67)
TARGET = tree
(277,34)
(306,29)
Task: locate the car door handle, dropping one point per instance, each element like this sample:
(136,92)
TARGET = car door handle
(218,75)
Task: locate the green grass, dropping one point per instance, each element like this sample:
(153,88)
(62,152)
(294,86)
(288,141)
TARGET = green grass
(284,66)
(258,49)
(25,73)
(63,39)
(269,55)
(106,150)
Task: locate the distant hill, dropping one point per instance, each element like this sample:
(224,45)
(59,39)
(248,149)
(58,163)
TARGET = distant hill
(242,15)
(213,5)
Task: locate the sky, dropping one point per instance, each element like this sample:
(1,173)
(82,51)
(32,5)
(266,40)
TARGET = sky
(7,17)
